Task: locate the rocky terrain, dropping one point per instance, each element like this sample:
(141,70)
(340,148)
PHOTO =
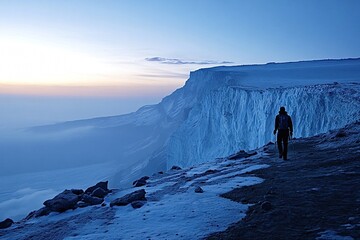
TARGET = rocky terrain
(314,195)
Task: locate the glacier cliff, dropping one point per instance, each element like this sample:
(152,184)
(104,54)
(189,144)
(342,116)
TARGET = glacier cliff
(235,107)
(233,118)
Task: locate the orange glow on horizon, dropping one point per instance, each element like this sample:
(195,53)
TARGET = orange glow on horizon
(121,91)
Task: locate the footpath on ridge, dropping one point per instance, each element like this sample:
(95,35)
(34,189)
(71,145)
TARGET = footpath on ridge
(313,195)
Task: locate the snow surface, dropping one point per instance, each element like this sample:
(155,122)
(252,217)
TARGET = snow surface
(218,112)
(173,209)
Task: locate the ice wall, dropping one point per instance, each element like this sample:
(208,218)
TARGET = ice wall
(236,109)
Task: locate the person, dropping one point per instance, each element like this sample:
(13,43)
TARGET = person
(284,127)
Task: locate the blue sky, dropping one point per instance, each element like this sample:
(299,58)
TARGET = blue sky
(145,49)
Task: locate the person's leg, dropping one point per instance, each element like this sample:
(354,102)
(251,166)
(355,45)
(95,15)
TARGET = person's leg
(279,143)
(286,141)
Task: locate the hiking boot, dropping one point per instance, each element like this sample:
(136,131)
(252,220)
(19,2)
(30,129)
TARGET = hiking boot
(280,156)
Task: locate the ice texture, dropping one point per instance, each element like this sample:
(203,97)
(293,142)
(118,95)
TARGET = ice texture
(232,118)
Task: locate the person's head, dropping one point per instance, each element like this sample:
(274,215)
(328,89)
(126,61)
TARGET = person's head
(282,110)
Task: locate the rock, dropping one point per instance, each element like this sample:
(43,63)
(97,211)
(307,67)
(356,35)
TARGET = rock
(175,168)
(42,212)
(266,206)
(241,154)
(91,199)
(103,204)
(211,171)
(77,191)
(102,185)
(138,204)
(199,190)
(38,213)
(99,192)
(62,202)
(340,134)
(161,172)
(138,195)
(82,204)
(6,223)
(140,182)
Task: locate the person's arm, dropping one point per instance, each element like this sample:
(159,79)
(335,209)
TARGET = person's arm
(276,124)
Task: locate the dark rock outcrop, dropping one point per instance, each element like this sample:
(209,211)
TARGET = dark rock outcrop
(241,154)
(341,134)
(102,185)
(140,182)
(99,193)
(199,190)
(266,206)
(6,223)
(91,199)
(138,204)
(175,168)
(77,191)
(62,202)
(82,204)
(38,213)
(138,195)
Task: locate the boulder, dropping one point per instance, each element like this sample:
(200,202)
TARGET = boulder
(82,204)
(341,134)
(102,185)
(140,182)
(38,213)
(6,223)
(211,171)
(266,206)
(241,154)
(175,168)
(77,191)
(91,199)
(199,190)
(138,204)
(138,195)
(99,192)
(62,202)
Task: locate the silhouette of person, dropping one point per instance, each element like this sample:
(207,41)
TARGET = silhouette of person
(284,127)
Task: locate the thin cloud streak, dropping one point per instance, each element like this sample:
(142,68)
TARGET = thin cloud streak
(177,61)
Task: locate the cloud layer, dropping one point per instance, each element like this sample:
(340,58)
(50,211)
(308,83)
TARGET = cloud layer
(182,62)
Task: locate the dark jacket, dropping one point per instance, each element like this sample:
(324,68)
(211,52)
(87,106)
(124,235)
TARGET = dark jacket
(289,123)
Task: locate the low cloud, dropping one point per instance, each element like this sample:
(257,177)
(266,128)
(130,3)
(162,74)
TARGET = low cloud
(177,61)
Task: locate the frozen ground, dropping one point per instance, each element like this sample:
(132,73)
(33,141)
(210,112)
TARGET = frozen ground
(314,195)
(173,209)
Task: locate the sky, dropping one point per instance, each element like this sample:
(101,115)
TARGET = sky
(65,60)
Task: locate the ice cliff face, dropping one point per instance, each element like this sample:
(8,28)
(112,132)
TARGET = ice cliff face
(235,107)
(232,118)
